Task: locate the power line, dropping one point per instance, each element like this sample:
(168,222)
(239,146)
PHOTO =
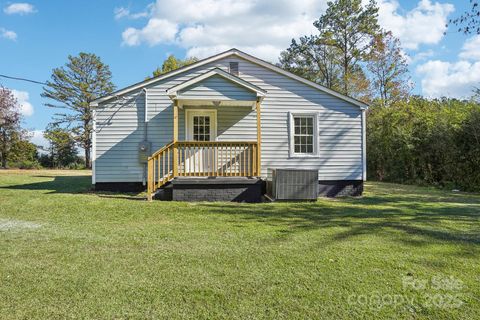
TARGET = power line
(32,81)
(23,79)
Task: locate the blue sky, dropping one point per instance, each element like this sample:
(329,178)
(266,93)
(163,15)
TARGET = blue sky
(134,37)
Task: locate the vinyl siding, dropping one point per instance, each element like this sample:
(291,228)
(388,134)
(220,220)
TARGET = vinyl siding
(217,88)
(120,123)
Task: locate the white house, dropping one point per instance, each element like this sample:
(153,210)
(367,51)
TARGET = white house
(213,129)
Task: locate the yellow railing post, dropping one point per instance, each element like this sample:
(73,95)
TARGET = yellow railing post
(259,140)
(175,138)
(150,182)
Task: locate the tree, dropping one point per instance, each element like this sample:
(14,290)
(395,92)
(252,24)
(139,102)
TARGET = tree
(469,21)
(349,26)
(62,149)
(389,69)
(10,118)
(83,79)
(311,59)
(172,63)
(23,153)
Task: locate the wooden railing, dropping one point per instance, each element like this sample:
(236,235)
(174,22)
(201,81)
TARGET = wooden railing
(202,158)
(160,168)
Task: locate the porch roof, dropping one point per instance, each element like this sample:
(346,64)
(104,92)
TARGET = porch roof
(218,88)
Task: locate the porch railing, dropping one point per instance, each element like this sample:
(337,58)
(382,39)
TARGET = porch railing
(202,158)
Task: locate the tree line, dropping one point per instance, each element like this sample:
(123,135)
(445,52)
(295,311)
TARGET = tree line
(410,139)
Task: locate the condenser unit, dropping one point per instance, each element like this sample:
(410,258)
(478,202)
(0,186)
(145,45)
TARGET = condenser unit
(292,184)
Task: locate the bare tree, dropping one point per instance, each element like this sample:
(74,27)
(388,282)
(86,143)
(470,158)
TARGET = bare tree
(389,69)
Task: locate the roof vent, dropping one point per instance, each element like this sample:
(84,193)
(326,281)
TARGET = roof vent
(234,68)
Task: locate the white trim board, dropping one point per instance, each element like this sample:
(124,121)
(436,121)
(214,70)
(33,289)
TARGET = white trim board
(94,146)
(238,53)
(364,145)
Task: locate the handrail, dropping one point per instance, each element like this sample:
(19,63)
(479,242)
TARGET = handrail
(161,150)
(201,158)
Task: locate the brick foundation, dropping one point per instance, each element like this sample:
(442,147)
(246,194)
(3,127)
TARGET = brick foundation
(340,188)
(217,189)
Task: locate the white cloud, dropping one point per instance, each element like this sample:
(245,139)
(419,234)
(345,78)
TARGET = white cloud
(20,8)
(122,12)
(38,139)
(156,31)
(22,97)
(8,34)
(205,27)
(441,78)
(425,24)
(471,49)
(453,79)
(420,56)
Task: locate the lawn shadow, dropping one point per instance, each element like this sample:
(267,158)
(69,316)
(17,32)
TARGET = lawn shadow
(72,184)
(57,184)
(406,217)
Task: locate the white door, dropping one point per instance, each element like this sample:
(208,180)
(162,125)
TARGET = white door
(201,125)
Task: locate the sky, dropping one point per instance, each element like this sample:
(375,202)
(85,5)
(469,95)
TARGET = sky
(134,37)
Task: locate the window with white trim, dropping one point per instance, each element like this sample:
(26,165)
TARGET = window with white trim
(303,134)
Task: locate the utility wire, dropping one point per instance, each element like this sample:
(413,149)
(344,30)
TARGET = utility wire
(32,81)
(23,79)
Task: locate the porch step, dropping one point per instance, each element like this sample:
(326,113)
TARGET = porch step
(164,193)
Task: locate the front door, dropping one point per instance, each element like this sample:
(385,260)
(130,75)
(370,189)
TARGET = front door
(200,126)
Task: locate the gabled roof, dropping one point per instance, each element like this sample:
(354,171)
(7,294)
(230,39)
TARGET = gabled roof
(238,53)
(172,92)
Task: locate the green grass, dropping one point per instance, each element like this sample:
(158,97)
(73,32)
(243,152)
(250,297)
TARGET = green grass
(66,252)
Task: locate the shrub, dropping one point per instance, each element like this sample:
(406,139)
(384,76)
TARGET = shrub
(435,142)
(25,164)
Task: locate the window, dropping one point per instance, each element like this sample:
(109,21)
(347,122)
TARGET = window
(201,128)
(303,135)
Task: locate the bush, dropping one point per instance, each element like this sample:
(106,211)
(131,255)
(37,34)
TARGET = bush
(25,164)
(435,142)
(75,166)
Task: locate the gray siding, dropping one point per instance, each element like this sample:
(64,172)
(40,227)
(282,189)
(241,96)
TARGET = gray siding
(219,88)
(120,124)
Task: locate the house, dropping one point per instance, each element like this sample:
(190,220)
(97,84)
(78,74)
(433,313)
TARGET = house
(213,129)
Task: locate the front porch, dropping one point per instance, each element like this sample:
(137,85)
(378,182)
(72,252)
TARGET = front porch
(202,153)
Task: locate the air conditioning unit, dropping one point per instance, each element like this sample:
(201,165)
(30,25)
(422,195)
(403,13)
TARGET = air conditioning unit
(292,184)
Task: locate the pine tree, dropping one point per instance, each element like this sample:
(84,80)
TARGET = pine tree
(83,79)
(349,27)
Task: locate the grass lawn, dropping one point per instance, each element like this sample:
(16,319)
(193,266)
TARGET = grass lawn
(398,252)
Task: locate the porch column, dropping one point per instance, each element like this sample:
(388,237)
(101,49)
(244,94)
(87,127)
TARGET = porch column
(259,139)
(175,138)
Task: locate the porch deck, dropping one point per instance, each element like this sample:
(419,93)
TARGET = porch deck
(202,159)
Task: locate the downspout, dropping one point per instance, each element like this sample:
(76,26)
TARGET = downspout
(145,137)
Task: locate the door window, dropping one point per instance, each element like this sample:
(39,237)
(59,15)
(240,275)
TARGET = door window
(201,128)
